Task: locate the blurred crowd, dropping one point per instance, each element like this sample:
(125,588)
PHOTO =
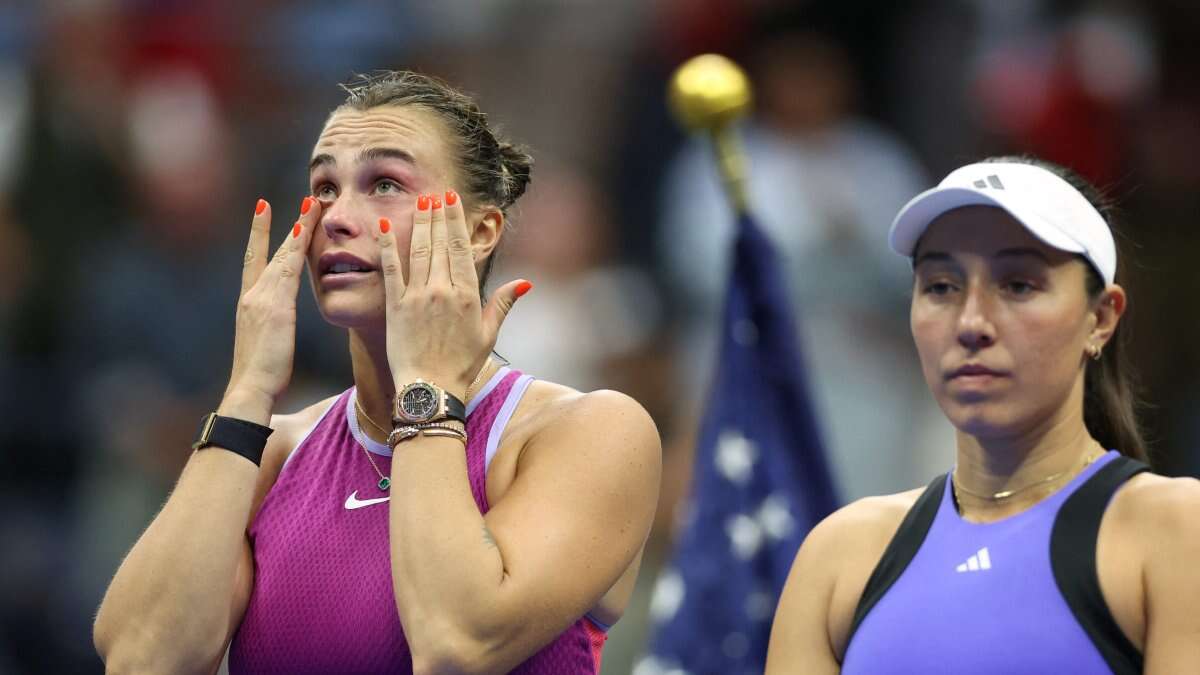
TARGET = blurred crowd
(136,135)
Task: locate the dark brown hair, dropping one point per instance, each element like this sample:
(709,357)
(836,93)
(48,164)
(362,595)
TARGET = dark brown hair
(494,171)
(1110,401)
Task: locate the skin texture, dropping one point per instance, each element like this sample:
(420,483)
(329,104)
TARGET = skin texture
(987,292)
(573,485)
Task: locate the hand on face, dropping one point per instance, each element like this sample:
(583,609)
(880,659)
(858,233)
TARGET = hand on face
(437,329)
(265,337)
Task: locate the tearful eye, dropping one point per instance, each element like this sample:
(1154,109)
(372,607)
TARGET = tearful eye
(387,186)
(324,192)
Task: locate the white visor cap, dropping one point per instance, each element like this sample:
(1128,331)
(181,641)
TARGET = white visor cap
(1039,199)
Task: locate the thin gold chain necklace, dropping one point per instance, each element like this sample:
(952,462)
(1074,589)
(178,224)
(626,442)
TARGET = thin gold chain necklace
(384,481)
(1005,494)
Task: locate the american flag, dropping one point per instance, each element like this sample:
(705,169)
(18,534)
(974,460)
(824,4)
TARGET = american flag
(760,483)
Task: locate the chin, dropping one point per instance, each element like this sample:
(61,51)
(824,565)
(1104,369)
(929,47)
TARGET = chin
(345,310)
(980,419)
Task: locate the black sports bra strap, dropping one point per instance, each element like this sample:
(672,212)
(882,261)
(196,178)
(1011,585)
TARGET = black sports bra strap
(901,550)
(1073,560)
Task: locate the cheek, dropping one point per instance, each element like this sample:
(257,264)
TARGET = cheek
(1047,350)
(930,337)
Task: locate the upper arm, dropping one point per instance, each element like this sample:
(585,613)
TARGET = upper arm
(1171,578)
(816,609)
(577,513)
(800,635)
(279,444)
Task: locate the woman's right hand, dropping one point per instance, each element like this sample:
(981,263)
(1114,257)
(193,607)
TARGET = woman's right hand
(265,338)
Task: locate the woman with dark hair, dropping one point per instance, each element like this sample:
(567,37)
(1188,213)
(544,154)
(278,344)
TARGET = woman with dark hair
(446,513)
(1049,548)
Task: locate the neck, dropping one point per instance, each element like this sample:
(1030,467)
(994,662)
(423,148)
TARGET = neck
(1059,447)
(372,380)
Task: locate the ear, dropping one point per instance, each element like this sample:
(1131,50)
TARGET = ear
(486,228)
(1107,313)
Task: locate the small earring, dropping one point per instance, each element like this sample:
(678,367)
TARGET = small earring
(1095,351)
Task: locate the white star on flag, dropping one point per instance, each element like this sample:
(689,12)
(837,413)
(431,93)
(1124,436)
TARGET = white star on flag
(745,535)
(773,520)
(775,517)
(735,456)
(667,595)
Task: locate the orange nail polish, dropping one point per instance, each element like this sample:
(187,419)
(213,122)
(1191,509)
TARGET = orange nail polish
(423,203)
(296,230)
(305,206)
(451,197)
(384,225)
(523,288)
(437,203)
(260,207)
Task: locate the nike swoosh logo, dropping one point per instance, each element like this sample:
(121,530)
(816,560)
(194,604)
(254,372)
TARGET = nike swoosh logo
(353,502)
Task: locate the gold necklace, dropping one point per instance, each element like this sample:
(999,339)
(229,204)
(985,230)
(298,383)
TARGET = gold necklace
(358,406)
(467,395)
(1005,494)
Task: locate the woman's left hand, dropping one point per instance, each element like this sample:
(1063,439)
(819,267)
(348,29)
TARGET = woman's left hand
(436,328)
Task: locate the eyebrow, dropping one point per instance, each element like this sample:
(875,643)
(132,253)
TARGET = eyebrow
(367,155)
(938,256)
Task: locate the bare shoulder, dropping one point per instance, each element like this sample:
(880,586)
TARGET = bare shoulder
(846,547)
(1158,506)
(287,430)
(864,521)
(816,610)
(551,409)
(290,427)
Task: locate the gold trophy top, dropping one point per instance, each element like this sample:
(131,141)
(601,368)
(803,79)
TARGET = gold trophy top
(708,92)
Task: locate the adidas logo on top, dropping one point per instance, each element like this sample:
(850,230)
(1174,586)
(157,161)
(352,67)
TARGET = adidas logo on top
(977,562)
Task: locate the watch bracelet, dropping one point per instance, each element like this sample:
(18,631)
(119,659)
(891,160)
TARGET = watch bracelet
(241,437)
(451,407)
(411,431)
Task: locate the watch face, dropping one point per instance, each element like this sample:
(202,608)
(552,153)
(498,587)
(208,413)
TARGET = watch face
(419,402)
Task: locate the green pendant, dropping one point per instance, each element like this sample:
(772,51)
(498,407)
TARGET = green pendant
(385,483)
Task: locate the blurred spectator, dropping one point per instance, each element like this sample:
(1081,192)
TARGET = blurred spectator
(135,137)
(588,310)
(825,184)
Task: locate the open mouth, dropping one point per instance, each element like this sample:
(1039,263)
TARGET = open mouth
(346,268)
(341,268)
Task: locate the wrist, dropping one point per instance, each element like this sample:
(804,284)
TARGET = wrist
(247,404)
(451,384)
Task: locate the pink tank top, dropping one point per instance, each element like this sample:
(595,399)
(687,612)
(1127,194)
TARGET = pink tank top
(322,600)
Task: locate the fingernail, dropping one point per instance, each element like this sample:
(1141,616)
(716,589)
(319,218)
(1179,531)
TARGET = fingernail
(296,230)
(437,203)
(423,203)
(384,225)
(451,197)
(260,207)
(523,288)
(305,206)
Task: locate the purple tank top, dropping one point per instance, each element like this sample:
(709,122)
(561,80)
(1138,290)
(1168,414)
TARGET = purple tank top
(987,599)
(322,600)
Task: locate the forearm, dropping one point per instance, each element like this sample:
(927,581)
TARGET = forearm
(169,605)
(447,572)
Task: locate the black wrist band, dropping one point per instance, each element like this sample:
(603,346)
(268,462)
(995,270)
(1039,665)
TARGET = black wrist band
(237,436)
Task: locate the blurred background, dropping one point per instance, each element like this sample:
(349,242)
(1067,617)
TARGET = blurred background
(136,136)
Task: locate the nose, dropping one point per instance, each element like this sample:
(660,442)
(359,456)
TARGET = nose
(975,328)
(341,218)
